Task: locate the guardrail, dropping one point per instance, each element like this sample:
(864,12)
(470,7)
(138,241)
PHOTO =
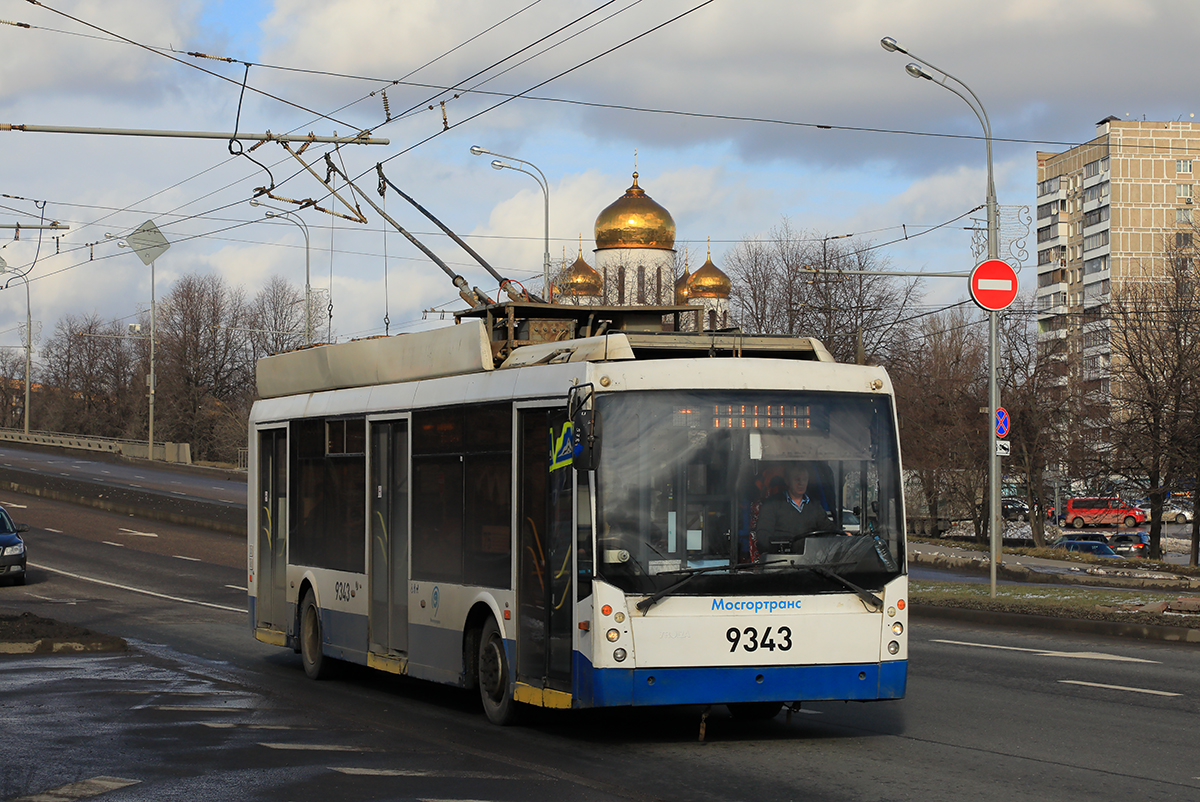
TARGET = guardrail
(180,453)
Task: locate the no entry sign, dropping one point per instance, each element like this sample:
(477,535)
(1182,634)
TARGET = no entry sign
(993,285)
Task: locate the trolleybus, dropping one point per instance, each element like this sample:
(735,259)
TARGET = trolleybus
(558,506)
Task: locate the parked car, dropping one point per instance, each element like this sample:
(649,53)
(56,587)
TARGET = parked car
(1111,511)
(12,550)
(1135,545)
(851,521)
(1088,547)
(1014,509)
(1094,537)
(1171,513)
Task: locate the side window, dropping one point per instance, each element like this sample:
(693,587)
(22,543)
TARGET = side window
(328,513)
(462,475)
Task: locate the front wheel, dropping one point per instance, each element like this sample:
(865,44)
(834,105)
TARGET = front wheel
(1180,518)
(1129,521)
(316,664)
(494,687)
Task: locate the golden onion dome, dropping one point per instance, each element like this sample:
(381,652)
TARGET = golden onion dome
(635,221)
(709,282)
(681,288)
(581,279)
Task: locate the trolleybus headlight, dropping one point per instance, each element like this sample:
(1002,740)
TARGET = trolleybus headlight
(612,635)
(893,647)
(619,618)
(619,655)
(897,628)
(891,612)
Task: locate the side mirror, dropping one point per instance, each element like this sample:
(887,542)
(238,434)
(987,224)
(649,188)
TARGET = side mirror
(579,408)
(22,527)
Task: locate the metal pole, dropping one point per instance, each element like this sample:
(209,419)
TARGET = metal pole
(28,351)
(993,244)
(357,139)
(547,291)
(152,316)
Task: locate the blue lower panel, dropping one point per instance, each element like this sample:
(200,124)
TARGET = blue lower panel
(612,687)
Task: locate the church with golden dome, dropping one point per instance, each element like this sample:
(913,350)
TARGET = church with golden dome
(635,265)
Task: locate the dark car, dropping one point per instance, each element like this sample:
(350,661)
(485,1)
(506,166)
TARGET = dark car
(1134,545)
(1088,547)
(12,550)
(1014,509)
(1075,537)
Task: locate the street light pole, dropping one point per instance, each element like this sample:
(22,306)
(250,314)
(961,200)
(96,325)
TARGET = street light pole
(993,245)
(547,290)
(28,334)
(291,217)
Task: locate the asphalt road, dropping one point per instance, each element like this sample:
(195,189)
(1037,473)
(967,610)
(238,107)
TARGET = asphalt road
(201,710)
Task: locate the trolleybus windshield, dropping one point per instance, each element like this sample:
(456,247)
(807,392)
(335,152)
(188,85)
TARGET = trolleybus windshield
(693,483)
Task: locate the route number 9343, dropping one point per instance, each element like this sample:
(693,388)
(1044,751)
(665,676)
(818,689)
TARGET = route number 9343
(751,641)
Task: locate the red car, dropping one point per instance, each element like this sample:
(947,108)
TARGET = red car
(1081,512)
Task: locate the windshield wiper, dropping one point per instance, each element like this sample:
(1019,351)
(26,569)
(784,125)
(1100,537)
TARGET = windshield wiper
(691,573)
(862,593)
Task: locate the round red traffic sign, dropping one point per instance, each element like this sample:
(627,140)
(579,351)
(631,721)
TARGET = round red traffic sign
(993,285)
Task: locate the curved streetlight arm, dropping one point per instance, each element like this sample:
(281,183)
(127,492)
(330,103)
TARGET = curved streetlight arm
(28,334)
(993,243)
(292,217)
(540,177)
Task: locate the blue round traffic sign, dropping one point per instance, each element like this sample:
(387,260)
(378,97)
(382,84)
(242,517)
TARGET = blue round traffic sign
(1002,422)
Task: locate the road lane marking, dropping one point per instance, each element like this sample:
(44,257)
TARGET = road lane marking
(17,506)
(189,559)
(197,708)
(83,789)
(1117,687)
(110,543)
(143,591)
(319,747)
(55,531)
(457,775)
(1051,652)
(238,587)
(232,725)
(125,531)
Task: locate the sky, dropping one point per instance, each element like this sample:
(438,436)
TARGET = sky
(742,114)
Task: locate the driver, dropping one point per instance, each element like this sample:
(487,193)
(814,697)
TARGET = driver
(790,516)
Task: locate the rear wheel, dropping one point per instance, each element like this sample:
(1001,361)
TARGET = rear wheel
(1077,523)
(754,711)
(316,664)
(494,687)
(1180,518)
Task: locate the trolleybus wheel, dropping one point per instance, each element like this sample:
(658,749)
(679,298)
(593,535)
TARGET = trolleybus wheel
(316,664)
(754,711)
(494,686)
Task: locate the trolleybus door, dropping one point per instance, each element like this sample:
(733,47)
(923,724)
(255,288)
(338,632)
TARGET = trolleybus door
(388,511)
(545,586)
(271,604)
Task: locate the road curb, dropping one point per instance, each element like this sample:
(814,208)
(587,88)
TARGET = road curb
(1083,576)
(1081,625)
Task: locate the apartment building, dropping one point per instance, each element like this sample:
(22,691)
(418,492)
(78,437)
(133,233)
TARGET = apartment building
(1104,211)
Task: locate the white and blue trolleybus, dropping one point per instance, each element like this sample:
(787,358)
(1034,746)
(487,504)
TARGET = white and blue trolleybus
(566,507)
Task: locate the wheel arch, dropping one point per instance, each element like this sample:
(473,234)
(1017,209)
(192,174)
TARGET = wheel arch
(477,616)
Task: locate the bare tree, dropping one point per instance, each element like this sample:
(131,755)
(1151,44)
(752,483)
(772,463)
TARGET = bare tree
(939,377)
(1155,358)
(813,285)
(204,366)
(276,318)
